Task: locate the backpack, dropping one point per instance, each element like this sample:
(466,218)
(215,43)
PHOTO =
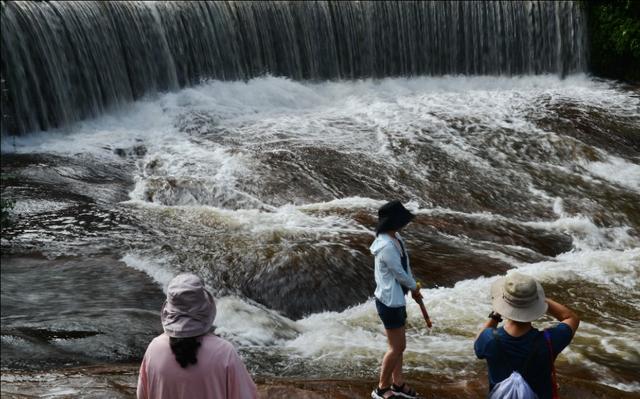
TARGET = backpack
(515,386)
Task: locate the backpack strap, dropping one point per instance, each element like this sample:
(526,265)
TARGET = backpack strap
(403,257)
(405,265)
(552,358)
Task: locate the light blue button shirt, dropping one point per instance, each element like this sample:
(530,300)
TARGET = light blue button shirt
(389,274)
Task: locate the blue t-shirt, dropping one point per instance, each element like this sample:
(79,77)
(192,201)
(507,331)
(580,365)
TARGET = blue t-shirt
(516,350)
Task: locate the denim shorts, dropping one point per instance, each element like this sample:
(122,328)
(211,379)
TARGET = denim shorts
(391,317)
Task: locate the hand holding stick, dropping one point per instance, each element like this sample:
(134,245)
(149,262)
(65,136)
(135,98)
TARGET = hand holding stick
(417,296)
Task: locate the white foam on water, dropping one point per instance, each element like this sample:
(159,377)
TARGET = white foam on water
(32,206)
(340,334)
(291,218)
(160,273)
(20,377)
(284,219)
(617,171)
(358,331)
(438,210)
(240,320)
(250,324)
(346,115)
(208,137)
(203,171)
(457,313)
(586,234)
(356,336)
(610,267)
(345,203)
(190,162)
(139,121)
(60,392)
(610,339)
(631,387)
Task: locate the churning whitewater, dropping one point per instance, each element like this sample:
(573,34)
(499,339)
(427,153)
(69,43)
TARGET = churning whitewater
(65,61)
(267,188)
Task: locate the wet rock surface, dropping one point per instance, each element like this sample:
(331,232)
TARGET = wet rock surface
(500,231)
(119,381)
(71,310)
(594,126)
(82,178)
(273,201)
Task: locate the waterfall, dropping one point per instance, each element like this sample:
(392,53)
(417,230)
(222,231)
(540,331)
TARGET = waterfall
(66,61)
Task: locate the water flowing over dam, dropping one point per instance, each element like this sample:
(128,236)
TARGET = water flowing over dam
(253,142)
(65,61)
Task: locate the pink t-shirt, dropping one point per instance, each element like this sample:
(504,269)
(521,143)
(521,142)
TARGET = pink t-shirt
(219,372)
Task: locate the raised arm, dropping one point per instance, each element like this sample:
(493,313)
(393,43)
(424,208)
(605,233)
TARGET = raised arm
(563,314)
(492,322)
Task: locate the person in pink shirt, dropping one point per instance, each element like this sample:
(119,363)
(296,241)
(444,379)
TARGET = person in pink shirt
(187,361)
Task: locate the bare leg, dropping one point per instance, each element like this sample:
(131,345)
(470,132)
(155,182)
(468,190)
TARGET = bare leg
(392,360)
(397,373)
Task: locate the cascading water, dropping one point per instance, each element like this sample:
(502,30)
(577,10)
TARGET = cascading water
(268,187)
(65,61)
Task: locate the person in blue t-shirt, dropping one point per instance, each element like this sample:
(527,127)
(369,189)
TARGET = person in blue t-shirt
(518,346)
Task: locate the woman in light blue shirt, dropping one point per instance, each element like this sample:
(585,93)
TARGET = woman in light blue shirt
(393,281)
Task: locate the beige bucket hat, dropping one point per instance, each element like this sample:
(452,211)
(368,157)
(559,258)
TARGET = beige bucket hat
(518,297)
(189,310)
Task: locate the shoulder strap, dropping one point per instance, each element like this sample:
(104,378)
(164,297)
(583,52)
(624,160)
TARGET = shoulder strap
(403,257)
(552,358)
(404,251)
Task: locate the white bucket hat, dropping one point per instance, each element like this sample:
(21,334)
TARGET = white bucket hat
(518,297)
(189,310)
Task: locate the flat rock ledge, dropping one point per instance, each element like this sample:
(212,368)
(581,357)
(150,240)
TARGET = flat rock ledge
(119,381)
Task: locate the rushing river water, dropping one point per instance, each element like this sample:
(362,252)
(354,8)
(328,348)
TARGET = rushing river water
(269,190)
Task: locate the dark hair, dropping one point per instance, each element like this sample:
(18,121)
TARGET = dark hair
(185,349)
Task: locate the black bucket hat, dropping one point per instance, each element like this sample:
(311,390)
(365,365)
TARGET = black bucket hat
(393,216)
